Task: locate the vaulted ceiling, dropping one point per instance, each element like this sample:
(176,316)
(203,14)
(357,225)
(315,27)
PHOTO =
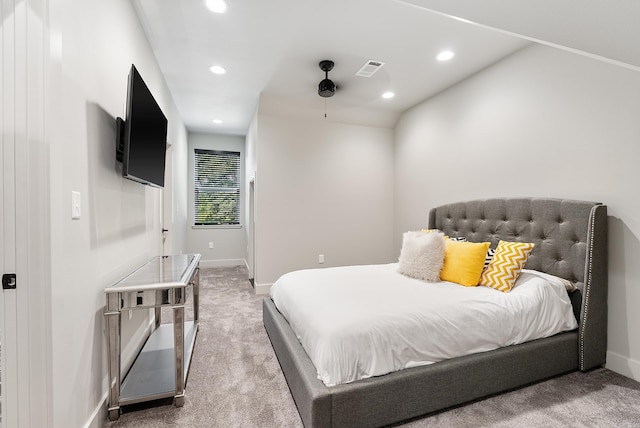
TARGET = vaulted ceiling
(271,49)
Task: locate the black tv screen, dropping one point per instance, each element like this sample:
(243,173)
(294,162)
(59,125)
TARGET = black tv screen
(144,135)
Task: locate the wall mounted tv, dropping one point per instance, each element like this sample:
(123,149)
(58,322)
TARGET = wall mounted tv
(142,136)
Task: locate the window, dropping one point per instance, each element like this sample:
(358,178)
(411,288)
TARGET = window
(217,188)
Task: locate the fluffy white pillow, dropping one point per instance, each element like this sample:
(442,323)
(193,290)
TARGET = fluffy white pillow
(422,255)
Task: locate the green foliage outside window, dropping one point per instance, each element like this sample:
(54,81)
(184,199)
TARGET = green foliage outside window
(217,187)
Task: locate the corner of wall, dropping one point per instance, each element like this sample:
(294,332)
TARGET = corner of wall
(623,365)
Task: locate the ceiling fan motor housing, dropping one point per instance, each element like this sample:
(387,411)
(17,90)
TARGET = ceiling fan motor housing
(326,88)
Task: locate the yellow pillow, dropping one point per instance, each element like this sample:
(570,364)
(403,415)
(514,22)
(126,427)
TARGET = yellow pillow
(463,262)
(506,264)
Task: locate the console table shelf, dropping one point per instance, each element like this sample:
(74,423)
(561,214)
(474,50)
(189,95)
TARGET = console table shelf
(161,368)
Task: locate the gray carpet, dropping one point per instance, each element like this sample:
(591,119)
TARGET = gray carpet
(235,380)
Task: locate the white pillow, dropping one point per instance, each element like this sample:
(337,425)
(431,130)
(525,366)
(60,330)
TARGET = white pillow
(568,285)
(422,255)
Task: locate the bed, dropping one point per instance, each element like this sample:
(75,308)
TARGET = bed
(570,242)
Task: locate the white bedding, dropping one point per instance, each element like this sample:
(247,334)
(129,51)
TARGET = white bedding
(355,322)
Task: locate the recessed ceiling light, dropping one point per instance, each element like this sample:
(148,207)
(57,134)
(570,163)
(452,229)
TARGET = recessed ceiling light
(216,69)
(217,6)
(388,95)
(445,55)
(217,121)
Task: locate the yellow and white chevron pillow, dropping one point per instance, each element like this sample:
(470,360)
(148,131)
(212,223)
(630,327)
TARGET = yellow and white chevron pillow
(506,264)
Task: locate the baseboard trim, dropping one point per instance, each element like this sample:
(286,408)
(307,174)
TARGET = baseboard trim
(623,365)
(263,289)
(222,263)
(128,356)
(99,414)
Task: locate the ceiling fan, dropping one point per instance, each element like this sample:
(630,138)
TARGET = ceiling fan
(326,87)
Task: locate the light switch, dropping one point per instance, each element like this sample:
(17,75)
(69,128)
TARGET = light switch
(75,205)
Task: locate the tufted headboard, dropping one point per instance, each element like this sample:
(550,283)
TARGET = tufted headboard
(571,242)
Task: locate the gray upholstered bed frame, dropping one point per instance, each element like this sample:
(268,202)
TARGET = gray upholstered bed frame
(571,242)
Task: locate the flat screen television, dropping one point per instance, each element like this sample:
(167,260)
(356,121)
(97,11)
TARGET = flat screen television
(142,135)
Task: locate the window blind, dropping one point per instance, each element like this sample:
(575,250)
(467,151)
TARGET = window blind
(217,187)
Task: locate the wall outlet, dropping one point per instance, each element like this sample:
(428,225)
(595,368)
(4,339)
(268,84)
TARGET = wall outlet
(211,245)
(320,258)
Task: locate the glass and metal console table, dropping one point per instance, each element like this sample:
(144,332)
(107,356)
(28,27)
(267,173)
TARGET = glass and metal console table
(161,368)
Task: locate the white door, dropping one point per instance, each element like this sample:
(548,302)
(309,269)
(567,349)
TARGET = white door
(167,204)
(8,298)
(24,221)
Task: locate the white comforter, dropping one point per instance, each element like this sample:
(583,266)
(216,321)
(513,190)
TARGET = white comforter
(356,322)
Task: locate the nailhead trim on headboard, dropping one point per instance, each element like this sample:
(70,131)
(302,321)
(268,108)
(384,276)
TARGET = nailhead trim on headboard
(587,287)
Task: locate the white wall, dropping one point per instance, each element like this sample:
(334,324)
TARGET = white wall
(321,188)
(543,122)
(179,223)
(229,242)
(92,46)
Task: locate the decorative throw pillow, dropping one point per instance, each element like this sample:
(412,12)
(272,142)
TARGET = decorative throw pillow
(490,253)
(422,255)
(506,264)
(463,262)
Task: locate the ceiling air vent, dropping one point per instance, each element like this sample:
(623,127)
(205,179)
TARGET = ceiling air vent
(370,68)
